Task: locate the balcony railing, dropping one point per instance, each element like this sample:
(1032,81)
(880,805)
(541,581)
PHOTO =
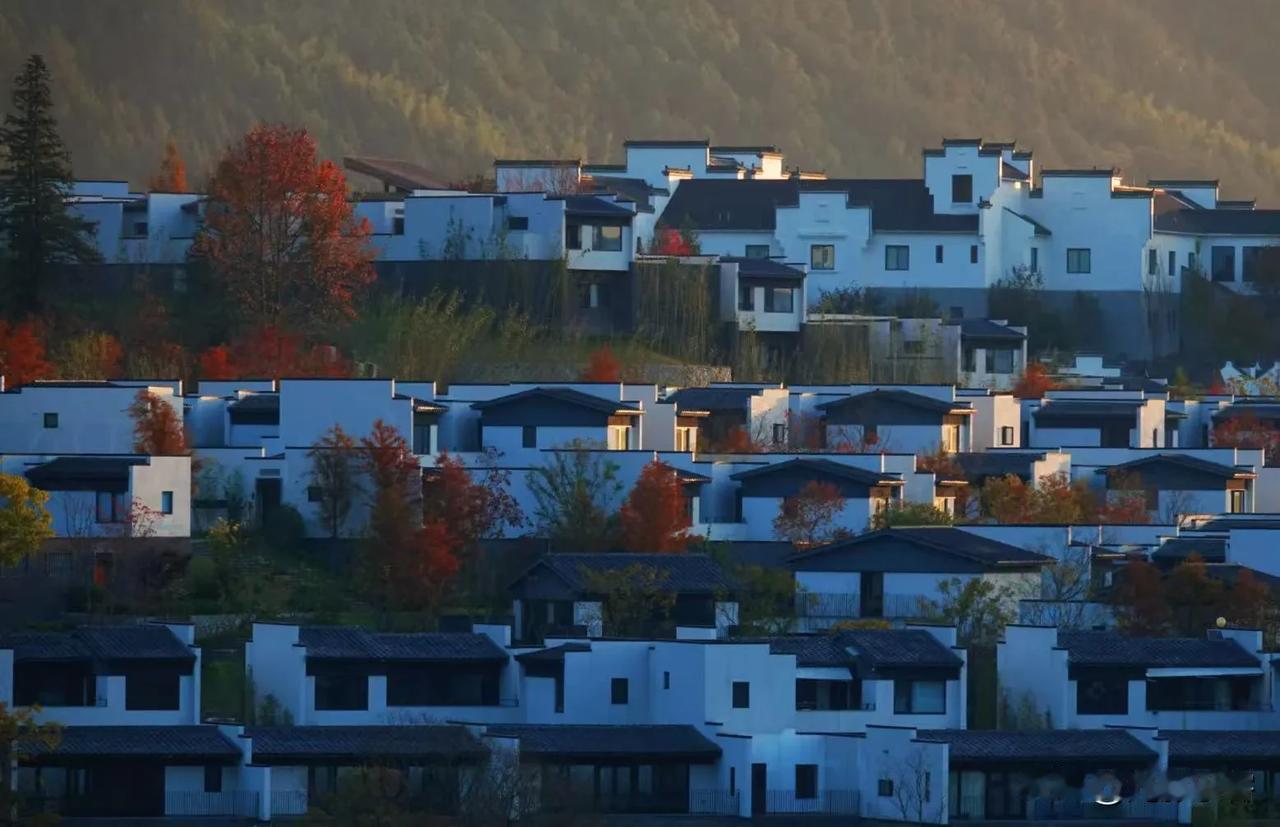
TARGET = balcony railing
(812,706)
(288,803)
(830,802)
(200,803)
(1209,706)
(713,802)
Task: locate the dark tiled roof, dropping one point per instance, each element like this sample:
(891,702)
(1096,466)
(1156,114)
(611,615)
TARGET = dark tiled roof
(684,572)
(1210,549)
(712,399)
(945,539)
(987,329)
(399,174)
(1114,649)
(1196,464)
(1261,410)
(1008,170)
(899,397)
(896,204)
(1087,409)
(84,473)
(286,744)
(764,268)
(591,206)
(348,643)
(1219,222)
(553,654)
(1189,745)
(1239,523)
(256,402)
(981,464)
(822,467)
(568,395)
(872,648)
(144,641)
(601,742)
(103,742)
(636,189)
(1073,745)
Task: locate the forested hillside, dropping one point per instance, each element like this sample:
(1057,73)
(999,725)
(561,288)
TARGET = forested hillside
(1167,88)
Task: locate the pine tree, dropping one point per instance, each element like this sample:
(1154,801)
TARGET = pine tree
(36,227)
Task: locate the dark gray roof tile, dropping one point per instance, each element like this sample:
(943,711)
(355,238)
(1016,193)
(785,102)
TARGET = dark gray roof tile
(301,744)
(105,742)
(1064,745)
(1100,648)
(604,742)
(349,643)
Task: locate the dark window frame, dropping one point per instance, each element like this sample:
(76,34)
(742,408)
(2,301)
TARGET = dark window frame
(962,188)
(756,251)
(897,257)
(937,254)
(619,691)
(741,694)
(1222,263)
(973,253)
(1079,260)
(517,223)
(212,778)
(166,502)
(825,262)
(806,781)
(601,243)
(528,436)
(50,420)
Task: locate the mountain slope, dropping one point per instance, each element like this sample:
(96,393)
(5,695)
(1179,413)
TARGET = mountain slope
(1161,88)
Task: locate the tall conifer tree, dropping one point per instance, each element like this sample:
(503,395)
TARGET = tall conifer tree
(36,228)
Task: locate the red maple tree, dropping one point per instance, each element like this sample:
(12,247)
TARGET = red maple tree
(807,518)
(1247,431)
(1034,382)
(655,517)
(602,366)
(1140,605)
(268,352)
(475,504)
(157,429)
(281,235)
(172,176)
(668,241)
(22,359)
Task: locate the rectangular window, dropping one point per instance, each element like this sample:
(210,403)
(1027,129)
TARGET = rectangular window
(822,257)
(166,502)
(1251,263)
(517,222)
(529,436)
(897,257)
(686,439)
(911,697)
(1153,262)
(1237,502)
(608,239)
(152,688)
(619,438)
(1079,260)
(999,360)
(1006,435)
(213,779)
(741,695)
(666,680)
(733,781)
(937,253)
(573,236)
(1191,261)
(951,438)
(51,420)
(884,788)
(1223,262)
(342,691)
(779,300)
(1173,263)
(757,251)
(973,253)
(1102,696)
(618,690)
(806,780)
(588,296)
(746,297)
(111,507)
(1035,260)
(397,225)
(779,433)
(961,189)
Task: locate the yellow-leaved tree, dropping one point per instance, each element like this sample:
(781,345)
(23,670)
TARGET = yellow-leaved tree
(25,521)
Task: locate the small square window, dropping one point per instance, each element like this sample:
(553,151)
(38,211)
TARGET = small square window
(822,257)
(607,239)
(885,788)
(897,257)
(806,780)
(741,695)
(166,502)
(213,779)
(517,222)
(1079,260)
(315,494)
(618,690)
(51,420)
(529,436)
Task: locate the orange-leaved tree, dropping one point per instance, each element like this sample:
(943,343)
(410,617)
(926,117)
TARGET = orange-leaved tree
(473,503)
(1034,382)
(602,366)
(333,476)
(1139,600)
(172,176)
(655,517)
(669,241)
(1247,431)
(807,518)
(281,235)
(269,352)
(22,359)
(157,428)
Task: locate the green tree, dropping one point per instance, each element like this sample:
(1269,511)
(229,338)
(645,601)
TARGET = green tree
(634,601)
(21,734)
(575,493)
(35,180)
(908,514)
(25,521)
(978,608)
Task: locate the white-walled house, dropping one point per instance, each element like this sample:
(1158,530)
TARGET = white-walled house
(76,417)
(897,572)
(1095,419)
(1094,679)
